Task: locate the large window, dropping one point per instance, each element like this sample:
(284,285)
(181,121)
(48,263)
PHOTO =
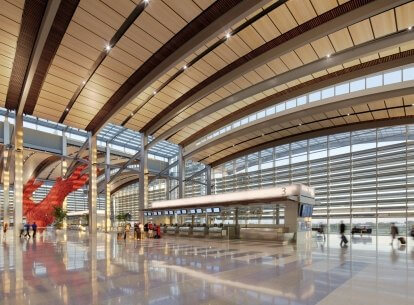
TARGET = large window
(363,178)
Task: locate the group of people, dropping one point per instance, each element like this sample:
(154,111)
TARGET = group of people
(24,229)
(151,230)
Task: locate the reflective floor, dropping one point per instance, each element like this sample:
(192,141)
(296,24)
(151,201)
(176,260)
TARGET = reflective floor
(59,268)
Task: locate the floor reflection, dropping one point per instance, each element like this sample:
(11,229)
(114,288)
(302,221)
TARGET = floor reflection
(71,268)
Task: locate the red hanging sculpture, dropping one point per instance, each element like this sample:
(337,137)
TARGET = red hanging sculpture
(42,213)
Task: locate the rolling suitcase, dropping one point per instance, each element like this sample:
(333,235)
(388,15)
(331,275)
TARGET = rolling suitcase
(402,240)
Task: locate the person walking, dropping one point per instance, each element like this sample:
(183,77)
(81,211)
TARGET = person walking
(27,227)
(21,230)
(136,229)
(394,233)
(34,228)
(344,240)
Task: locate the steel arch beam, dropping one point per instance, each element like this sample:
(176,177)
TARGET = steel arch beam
(308,69)
(336,19)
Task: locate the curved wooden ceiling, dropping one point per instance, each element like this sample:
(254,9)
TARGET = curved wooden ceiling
(168,60)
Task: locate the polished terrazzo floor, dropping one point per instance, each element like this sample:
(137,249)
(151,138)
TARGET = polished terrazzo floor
(60,268)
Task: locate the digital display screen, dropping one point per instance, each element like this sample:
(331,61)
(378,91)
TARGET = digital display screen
(170,212)
(209,210)
(183,211)
(306,210)
(145,214)
(216,210)
(192,211)
(199,211)
(165,212)
(159,213)
(149,213)
(178,212)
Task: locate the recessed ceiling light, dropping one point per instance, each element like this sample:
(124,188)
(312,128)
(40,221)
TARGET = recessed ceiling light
(300,124)
(329,55)
(185,67)
(410,28)
(84,82)
(108,48)
(154,93)
(146,1)
(347,114)
(67,109)
(132,113)
(228,35)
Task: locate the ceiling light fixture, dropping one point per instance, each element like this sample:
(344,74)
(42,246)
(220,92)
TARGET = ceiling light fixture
(108,48)
(154,93)
(146,1)
(329,55)
(185,67)
(132,114)
(300,124)
(84,82)
(347,113)
(228,35)
(67,109)
(410,27)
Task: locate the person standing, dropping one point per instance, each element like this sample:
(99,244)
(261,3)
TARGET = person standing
(344,240)
(27,227)
(394,233)
(21,230)
(136,228)
(5,227)
(34,228)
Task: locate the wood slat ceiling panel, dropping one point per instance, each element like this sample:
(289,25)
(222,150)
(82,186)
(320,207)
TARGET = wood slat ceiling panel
(240,44)
(327,45)
(10,19)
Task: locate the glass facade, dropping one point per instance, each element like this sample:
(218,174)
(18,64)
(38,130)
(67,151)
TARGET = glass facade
(363,178)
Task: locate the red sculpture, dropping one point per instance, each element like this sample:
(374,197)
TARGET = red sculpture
(42,213)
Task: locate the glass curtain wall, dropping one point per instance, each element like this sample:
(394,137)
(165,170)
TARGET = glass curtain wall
(363,178)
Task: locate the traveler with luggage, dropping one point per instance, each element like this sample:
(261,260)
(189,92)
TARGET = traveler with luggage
(394,233)
(344,240)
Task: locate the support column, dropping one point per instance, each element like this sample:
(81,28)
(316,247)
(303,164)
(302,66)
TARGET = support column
(167,188)
(208,180)
(6,173)
(181,172)
(107,188)
(92,193)
(64,169)
(18,174)
(143,177)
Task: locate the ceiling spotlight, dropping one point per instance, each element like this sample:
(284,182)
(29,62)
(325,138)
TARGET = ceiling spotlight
(154,93)
(300,124)
(185,67)
(329,55)
(347,113)
(132,114)
(67,109)
(84,82)
(146,1)
(410,28)
(108,48)
(228,35)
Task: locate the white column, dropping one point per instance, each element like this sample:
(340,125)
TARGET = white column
(6,173)
(107,188)
(143,177)
(64,168)
(181,172)
(92,193)
(18,174)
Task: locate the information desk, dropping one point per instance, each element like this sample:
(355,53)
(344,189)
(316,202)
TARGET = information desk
(172,230)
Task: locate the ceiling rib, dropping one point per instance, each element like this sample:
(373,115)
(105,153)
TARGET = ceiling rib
(317,133)
(331,21)
(37,19)
(206,52)
(320,107)
(346,74)
(61,22)
(211,22)
(114,40)
(305,70)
